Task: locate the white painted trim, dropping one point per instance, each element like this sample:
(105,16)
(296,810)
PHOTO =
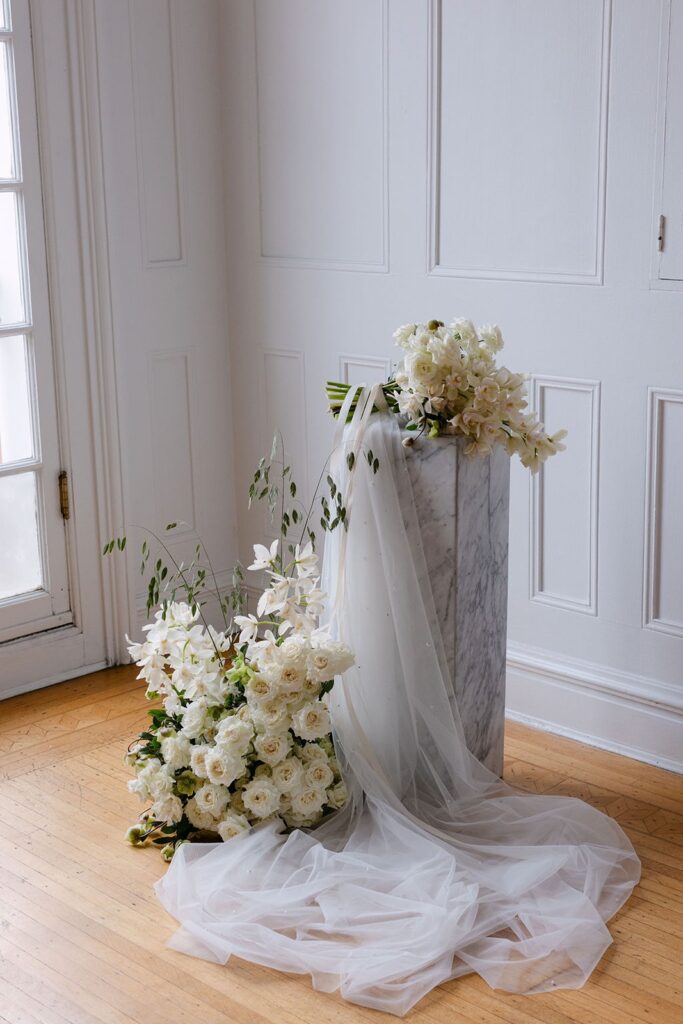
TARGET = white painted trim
(343,264)
(615,710)
(434,267)
(536,482)
(656,397)
(98,315)
(658,283)
(61,677)
(636,753)
(380,363)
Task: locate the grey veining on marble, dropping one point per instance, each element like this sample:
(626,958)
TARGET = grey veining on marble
(462,506)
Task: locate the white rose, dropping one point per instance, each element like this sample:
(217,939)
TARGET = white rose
(337,796)
(198,758)
(420,367)
(168,810)
(287,775)
(311,752)
(410,405)
(198,817)
(272,748)
(319,774)
(223,768)
(235,735)
(329,658)
(232,825)
(293,651)
(465,330)
(176,751)
(259,688)
(271,715)
(261,797)
(212,799)
(312,721)
(195,719)
(308,801)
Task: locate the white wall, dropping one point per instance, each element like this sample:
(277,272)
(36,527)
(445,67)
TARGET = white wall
(160,114)
(391,160)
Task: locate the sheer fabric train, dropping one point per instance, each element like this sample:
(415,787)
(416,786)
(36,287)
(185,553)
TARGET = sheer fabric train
(435,867)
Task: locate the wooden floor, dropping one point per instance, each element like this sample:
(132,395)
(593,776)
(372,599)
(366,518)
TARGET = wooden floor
(82,935)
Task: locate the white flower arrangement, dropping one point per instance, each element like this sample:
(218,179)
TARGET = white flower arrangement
(243,734)
(448,382)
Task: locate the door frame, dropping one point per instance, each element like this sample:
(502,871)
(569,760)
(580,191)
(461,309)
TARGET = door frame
(72,175)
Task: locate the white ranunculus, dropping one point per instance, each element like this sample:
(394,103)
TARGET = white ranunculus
(319,774)
(223,768)
(261,797)
(212,798)
(308,800)
(404,333)
(169,810)
(232,825)
(272,748)
(287,775)
(312,721)
(176,751)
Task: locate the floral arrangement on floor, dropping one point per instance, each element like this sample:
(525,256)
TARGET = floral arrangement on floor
(243,731)
(448,382)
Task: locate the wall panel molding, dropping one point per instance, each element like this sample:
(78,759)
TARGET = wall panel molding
(662,524)
(539,589)
(284,402)
(352,369)
(345,261)
(436,265)
(175,485)
(156,94)
(614,710)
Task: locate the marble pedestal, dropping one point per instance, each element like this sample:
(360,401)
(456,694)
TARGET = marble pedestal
(462,505)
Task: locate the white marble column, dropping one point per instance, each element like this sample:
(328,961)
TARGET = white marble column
(462,505)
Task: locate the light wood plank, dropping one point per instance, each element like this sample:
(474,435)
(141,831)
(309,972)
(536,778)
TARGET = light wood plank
(82,936)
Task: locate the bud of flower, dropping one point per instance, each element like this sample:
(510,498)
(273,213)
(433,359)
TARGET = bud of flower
(408,442)
(134,836)
(167,852)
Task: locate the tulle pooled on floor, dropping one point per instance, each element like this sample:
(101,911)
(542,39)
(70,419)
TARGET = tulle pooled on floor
(435,867)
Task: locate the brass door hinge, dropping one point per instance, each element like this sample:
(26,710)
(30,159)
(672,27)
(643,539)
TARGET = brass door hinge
(64,506)
(660,233)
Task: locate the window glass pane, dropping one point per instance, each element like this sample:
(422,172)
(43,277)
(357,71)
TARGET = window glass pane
(11,301)
(16,440)
(4,14)
(6,145)
(20,569)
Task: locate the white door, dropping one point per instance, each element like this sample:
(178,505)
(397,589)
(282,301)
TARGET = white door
(34,592)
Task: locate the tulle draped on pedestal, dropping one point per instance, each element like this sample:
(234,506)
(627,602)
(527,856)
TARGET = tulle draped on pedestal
(435,867)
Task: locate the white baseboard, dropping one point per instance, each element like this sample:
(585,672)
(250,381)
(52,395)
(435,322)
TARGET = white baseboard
(617,711)
(60,677)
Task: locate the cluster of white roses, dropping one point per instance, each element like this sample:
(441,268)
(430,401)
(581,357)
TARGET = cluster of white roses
(243,735)
(448,382)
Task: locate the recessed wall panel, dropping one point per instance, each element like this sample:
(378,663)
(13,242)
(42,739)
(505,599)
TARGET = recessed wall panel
(156,114)
(664,514)
(322,131)
(564,493)
(519,112)
(171,428)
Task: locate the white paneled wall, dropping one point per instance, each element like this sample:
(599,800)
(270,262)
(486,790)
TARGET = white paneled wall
(391,160)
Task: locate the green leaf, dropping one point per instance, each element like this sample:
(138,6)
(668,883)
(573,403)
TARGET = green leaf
(171,526)
(350,459)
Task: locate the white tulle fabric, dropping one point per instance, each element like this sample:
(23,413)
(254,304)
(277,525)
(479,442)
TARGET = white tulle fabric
(435,867)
